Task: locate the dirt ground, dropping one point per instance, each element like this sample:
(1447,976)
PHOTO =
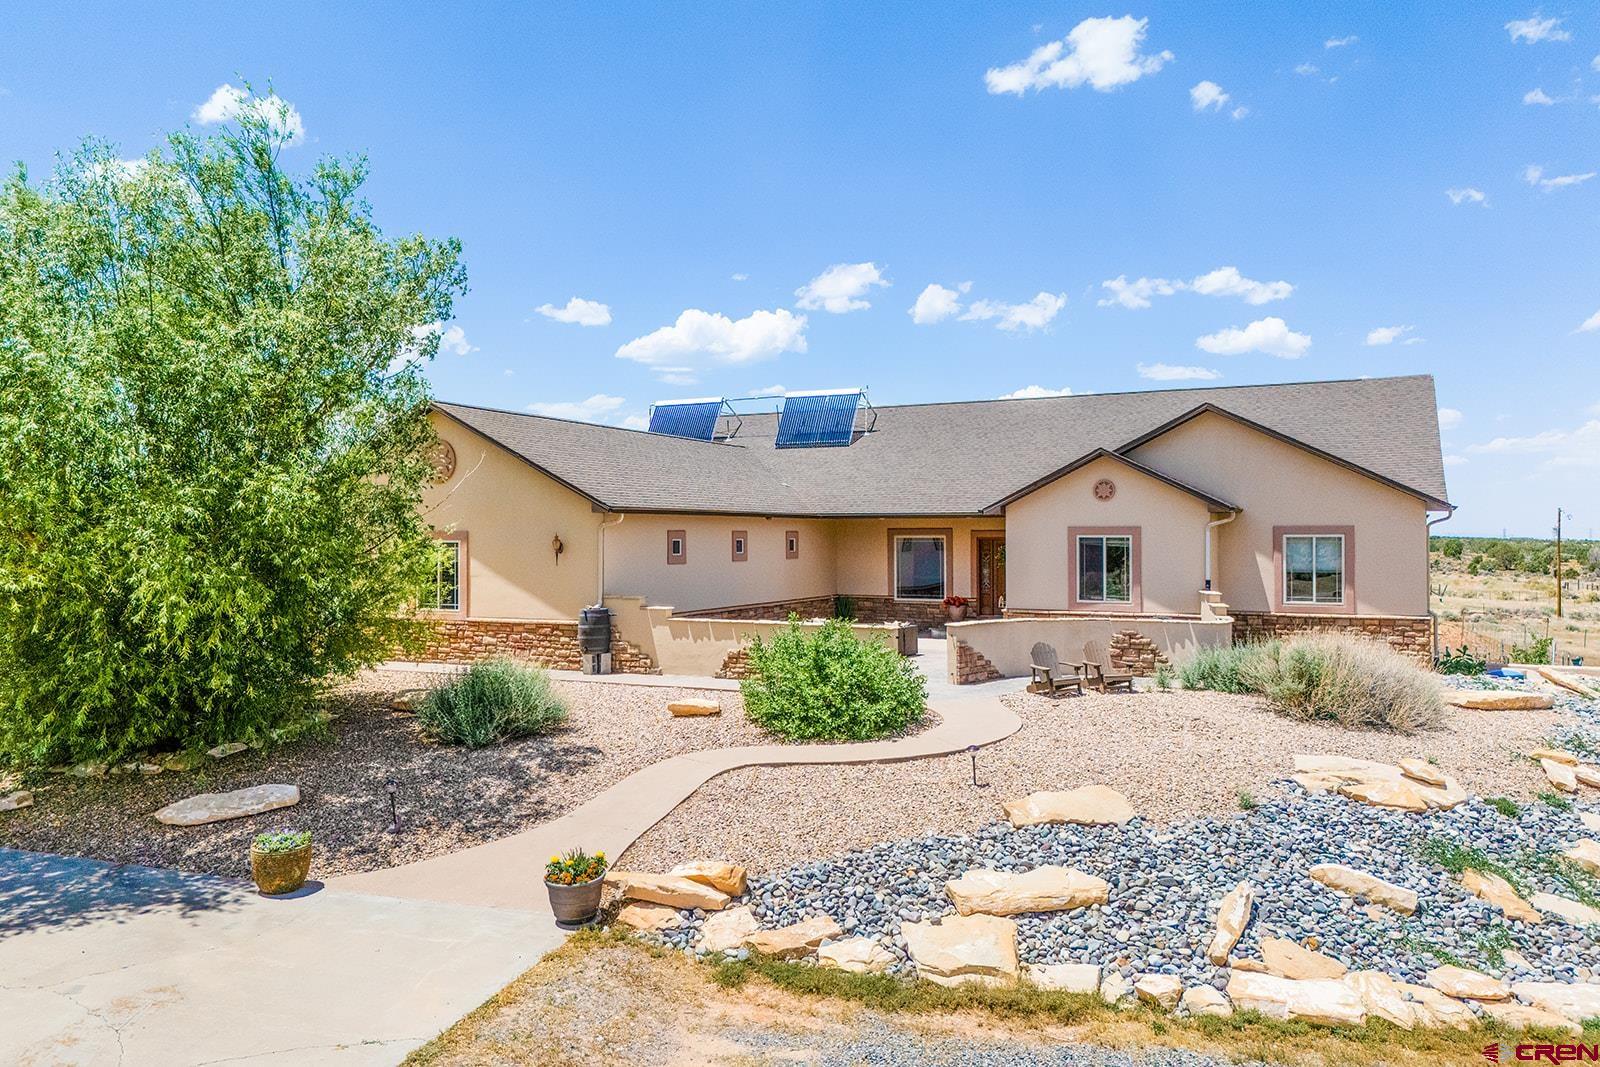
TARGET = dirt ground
(1493,612)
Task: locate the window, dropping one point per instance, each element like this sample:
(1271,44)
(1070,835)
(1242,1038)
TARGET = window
(1105,568)
(919,568)
(1313,569)
(791,544)
(741,544)
(447,579)
(677,551)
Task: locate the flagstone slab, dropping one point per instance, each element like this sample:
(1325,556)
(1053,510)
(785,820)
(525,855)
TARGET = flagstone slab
(219,807)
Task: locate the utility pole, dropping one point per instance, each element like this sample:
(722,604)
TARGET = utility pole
(1558,563)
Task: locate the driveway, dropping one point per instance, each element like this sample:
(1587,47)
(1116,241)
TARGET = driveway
(108,964)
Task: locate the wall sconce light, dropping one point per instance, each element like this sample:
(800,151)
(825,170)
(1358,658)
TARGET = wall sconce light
(557,547)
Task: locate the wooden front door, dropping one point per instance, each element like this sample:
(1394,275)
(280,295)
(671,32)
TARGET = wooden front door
(991,574)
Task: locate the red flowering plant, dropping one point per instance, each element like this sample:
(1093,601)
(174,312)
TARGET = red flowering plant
(574,867)
(955,601)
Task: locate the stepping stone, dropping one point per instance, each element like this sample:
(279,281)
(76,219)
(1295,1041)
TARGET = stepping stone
(1327,1001)
(791,942)
(1498,700)
(725,930)
(1065,977)
(1464,984)
(1435,1011)
(1423,771)
(1232,917)
(1559,755)
(1382,997)
(1162,990)
(1524,1016)
(637,915)
(1587,775)
(668,889)
(727,877)
(1089,805)
(1496,891)
(964,948)
(1205,1000)
(1354,883)
(22,798)
(1041,889)
(219,807)
(1575,1002)
(1286,959)
(856,955)
(232,748)
(1560,775)
(690,707)
(1585,854)
(1573,911)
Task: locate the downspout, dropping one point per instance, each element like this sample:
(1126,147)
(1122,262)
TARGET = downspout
(1209,526)
(600,579)
(1427,598)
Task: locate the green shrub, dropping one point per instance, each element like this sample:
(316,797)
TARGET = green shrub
(1219,669)
(495,700)
(826,685)
(1164,676)
(1537,650)
(1461,661)
(281,841)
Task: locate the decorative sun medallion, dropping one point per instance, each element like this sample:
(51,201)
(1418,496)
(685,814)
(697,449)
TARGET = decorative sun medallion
(1105,489)
(443,458)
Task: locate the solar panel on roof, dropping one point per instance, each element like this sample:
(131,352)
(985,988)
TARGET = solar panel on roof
(809,420)
(696,419)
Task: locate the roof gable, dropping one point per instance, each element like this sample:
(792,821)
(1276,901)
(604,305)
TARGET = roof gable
(1213,502)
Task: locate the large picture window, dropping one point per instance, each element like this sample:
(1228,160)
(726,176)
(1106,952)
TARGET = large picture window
(919,568)
(447,579)
(1313,569)
(1105,569)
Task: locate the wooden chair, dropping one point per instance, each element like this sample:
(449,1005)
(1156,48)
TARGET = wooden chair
(1051,677)
(1098,672)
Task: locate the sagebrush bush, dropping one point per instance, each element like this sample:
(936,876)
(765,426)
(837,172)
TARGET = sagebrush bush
(826,685)
(1353,682)
(495,700)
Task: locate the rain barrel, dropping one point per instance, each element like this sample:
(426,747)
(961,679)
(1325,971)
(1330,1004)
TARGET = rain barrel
(594,630)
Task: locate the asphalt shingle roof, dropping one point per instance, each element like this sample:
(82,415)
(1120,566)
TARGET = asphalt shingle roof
(960,458)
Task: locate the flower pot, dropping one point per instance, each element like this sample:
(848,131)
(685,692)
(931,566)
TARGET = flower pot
(281,872)
(957,613)
(575,903)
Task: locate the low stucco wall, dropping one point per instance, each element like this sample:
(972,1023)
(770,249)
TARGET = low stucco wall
(1006,645)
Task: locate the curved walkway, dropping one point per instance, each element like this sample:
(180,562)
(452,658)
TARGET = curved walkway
(509,872)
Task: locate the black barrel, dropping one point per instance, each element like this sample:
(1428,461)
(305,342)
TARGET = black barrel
(594,630)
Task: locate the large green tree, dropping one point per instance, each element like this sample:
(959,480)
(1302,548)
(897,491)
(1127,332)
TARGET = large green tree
(213,441)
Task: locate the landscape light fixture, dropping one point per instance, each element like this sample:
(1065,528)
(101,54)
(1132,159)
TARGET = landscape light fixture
(394,812)
(972,751)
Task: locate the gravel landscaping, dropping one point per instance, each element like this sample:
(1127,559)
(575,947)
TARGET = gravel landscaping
(448,797)
(1175,754)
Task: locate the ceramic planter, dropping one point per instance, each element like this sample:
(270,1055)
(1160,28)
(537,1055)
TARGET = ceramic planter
(281,872)
(956,612)
(576,903)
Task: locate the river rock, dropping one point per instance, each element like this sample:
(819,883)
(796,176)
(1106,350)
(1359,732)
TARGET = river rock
(1499,893)
(1498,700)
(650,918)
(1354,883)
(790,942)
(691,707)
(1089,805)
(22,798)
(1162,990)
(1286,959)
(726,930)
(1042,889)
(1382,997)
(1467,984)
(1232,917)
(1574,912)
(1524,1016)
(1585,854)
(1065,977)
(856,955)
(1204,1000)
(1318,1000)
(1561,776)
(964,948)
(217,807)
(1576,1002)
(721,875)
(672,890)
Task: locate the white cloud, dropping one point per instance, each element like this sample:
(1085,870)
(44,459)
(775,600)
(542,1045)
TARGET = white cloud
(840,288)
(1238,113)
(1453,460)
(589,410)
(1534,29)
(936,303)
(1467,195)
(1137,293)
(1561,448)
(228,103)
(1533,174)
(756,336)
(452,339)
(1270,335)
(1590,324)
(741,276)
(1449,418)
(1208,94)
(1537,96)
(769,390)
(1034,392)
(1034,315)
(579,311)
(1168,372)
(1340,42)
(1101,52)
(1308,69)
(635,422)
(1594,64)
(1387,335)
(1227,281)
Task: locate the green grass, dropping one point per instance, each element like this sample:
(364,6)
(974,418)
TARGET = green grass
(1504,805)
(1555,800)
(1247,802)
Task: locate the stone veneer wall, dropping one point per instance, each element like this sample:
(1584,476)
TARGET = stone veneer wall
(924,613)
(552,644)
(1410,635)
(1135,653)
(971,666)
(815,607)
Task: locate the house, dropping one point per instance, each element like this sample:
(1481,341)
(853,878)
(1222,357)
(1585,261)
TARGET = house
(1279,507)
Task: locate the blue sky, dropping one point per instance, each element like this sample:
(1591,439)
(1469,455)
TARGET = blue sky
(1280,180)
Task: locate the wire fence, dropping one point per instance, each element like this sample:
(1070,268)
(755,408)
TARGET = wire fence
(1495,645)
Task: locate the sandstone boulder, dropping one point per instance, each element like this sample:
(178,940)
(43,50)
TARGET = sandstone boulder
(1089,805)
(1435,1011)
(1557,755)
(1286,959)
(1585,854)
(22,798)
(857,955)
(647,917)
(1204,1000)
(1524,1016)
(1560,775)
(1590,820)
(1422,771)
(1576,1002)
(1587,774)
(727,929)
(1382,997)
(1042,889)
(1464,984)
(1498,700)
(1496,891)
(1380,784)
(1162,990)
(1574,912)
(721,875)
(1115,989)
(1569,682)
(691,707)
(1247,965)
(672,890)
(790,942)
(1402,795)
(1232,917)
(1354,883)
(1065,977)
(217,807)
(232,748)
(409,702)
(964,948)
(1327,1001)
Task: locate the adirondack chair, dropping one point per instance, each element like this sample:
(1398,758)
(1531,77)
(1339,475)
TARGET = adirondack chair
(1099,673)
(1051,677)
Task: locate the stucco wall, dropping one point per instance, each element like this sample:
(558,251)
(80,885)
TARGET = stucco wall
(702,646)
(1008,643)
(636,561)
(510,512)
(1040,556)
(1278,484)
(863,550)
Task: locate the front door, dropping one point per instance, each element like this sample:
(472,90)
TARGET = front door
(991,574)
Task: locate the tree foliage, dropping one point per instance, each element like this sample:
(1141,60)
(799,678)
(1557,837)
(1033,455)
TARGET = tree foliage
(213,440)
